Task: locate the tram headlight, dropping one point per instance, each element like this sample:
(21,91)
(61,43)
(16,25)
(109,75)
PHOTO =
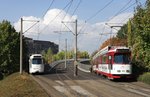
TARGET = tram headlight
(118,70)
(127,70)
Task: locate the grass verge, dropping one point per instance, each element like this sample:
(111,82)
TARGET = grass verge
(17,85)
(145,78)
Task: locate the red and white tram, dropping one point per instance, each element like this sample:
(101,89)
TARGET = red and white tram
(113,62)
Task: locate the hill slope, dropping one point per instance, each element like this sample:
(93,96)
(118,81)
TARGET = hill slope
(17,85)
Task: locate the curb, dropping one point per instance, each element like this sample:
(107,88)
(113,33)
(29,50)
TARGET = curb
(84,70)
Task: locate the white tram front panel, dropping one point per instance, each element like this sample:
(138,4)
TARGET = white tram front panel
(36,64)
(116,69)
(121,69)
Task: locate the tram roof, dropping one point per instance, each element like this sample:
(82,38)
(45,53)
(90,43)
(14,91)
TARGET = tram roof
(109,49)
(35,55)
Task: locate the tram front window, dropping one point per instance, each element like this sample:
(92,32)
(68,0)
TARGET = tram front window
(37,61)
(122,58)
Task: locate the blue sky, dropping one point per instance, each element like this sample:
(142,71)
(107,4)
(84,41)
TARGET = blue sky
(13,10)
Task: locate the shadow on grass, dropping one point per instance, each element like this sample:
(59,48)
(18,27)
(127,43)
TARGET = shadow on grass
(1,76)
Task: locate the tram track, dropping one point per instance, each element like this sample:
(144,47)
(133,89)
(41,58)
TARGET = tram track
(96,79)
(46,85)
(127,86)
(63,83)
(59,85)
(74,84)
(72,93)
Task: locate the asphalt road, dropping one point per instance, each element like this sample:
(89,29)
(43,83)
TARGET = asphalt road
(59,82)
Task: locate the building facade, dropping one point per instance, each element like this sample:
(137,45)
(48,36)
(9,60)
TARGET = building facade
(37,46)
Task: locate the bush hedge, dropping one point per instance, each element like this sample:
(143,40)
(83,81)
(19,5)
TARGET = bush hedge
(145,77)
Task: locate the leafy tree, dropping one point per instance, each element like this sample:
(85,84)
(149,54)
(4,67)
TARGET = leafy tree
(122,33)
(114,42)
(70,54)
(9,47)
(55,57)
(136,34)
(61,55)
(83,54)
(141,47)
(48,56)
(129,35)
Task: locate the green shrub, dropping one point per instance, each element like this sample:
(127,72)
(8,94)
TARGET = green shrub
(145,78)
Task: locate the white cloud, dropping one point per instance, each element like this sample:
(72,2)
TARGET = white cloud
(121,18)
(53,22)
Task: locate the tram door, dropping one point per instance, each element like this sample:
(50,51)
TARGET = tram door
(110,63)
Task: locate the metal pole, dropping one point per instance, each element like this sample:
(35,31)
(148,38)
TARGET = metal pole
(59,42)
(21,45)
(75,48)
(65,53)
(75,51)
(76,40)
(110,43)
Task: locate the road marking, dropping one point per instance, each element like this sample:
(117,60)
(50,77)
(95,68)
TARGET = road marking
(64,90)
(82,91)
(137,92)
(61,83)
(61,89)
(147,90)
(77,89)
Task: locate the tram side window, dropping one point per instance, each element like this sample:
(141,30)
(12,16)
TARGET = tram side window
(37,61)
(99,61)
(104,59)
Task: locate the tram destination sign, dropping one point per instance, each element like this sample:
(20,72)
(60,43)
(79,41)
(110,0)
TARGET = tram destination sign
(123,50)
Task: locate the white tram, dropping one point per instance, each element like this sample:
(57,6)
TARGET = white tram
(36,64)
(113,62)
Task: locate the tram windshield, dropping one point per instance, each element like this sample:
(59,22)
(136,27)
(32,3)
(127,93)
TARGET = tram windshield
(122,58)
(37,61)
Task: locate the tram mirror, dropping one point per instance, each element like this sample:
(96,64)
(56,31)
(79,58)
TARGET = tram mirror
(109,57)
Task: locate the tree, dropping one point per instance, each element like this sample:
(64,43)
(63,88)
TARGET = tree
(83,54)
(70,54)
(136,34)
(48,56)
(129,34)
(9,47)
(122,33)
(114,41)
(55,57)
(61,55)
(141,46)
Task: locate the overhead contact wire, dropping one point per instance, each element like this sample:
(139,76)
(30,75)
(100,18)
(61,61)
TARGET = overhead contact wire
(100,10)
(94,15)
(45,14)
(55,16)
